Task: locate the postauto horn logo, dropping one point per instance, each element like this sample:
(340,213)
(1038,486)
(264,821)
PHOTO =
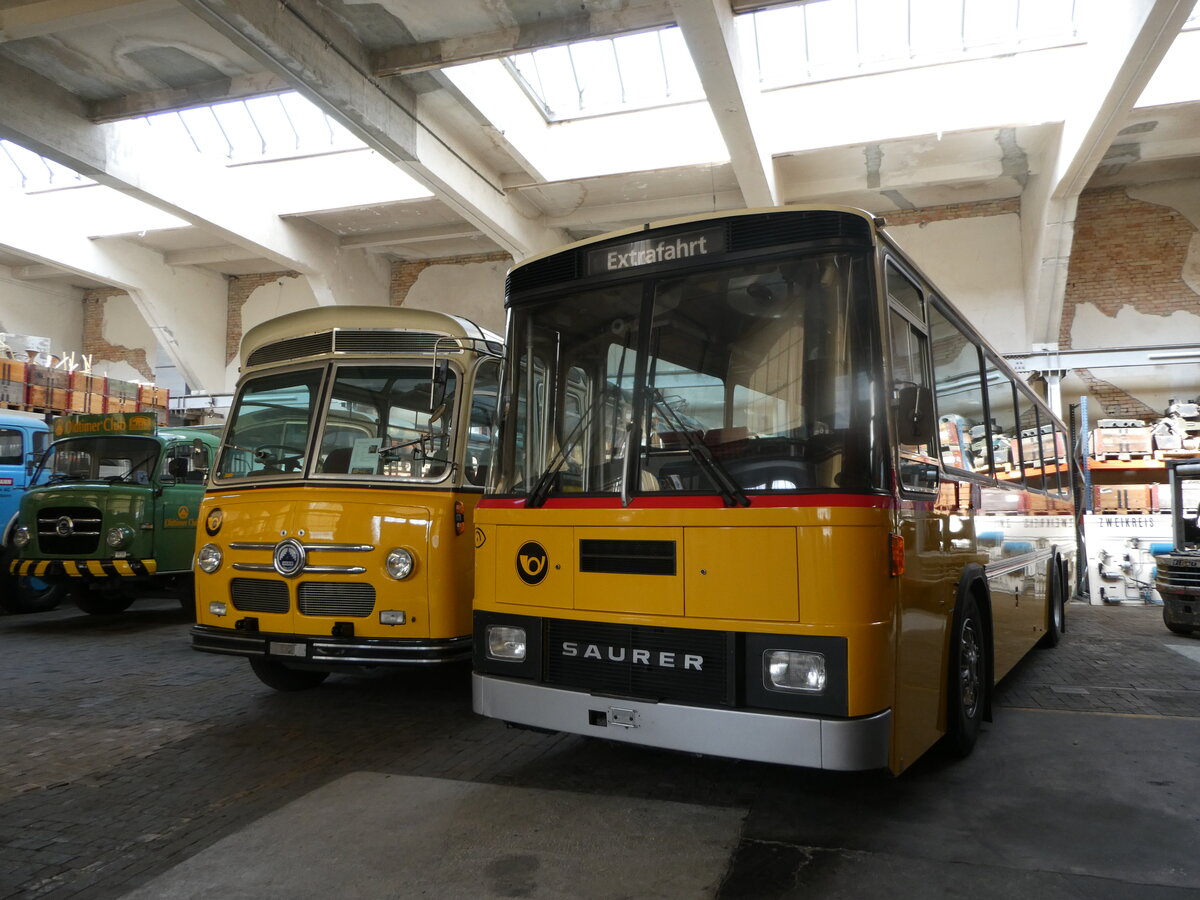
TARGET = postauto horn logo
(532,562)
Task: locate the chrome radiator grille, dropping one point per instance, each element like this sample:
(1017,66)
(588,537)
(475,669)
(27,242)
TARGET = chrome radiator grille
(321,598)
(258,595)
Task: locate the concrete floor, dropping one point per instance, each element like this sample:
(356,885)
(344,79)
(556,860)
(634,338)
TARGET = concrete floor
(134,766)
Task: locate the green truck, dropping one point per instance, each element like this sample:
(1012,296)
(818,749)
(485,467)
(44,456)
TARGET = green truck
(111,513)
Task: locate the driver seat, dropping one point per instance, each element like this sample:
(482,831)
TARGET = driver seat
(338,460)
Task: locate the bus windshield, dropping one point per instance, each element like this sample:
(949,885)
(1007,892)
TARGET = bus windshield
(129,460)
(378,422)
(756,377)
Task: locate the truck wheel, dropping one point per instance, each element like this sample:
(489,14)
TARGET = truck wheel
(1175,626)
(30,594)
(95,603)
(280,677)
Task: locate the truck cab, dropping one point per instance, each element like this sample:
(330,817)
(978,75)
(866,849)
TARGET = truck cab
(1178,572)
(111,510)
(23,438)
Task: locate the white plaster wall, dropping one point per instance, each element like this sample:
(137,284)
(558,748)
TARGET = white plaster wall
(283,295)
(474,291)
(42,310)
(977,265)
(123,326)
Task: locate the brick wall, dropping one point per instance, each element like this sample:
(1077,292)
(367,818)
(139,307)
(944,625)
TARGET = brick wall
(405,274)
(1009,206)
(240,289)
(1127,253)
(96,346)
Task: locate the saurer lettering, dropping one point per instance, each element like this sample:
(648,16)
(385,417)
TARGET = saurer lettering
(663,659)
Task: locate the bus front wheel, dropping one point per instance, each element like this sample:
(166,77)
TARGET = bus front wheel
(282,678)
(968,684)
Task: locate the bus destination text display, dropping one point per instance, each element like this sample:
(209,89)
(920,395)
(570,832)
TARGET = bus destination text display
(631,255)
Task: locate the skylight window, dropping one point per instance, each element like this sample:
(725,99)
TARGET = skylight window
(260,128)
(592,78)
(25,170)
(839,38)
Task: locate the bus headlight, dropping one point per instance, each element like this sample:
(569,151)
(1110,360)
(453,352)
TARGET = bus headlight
(21,536)
(119,538)
(506,642)
(209,558)
(794,670)
(399,563)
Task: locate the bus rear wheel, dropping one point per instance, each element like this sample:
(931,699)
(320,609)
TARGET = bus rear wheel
(968,682)
(282,678)
(1056,611)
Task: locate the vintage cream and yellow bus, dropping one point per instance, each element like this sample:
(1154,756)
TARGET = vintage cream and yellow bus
(336,529)
(761,492)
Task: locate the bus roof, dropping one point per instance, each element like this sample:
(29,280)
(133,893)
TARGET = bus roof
(873,220)
(380,318)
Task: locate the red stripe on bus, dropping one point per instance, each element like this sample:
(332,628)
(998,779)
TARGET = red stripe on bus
(771,501)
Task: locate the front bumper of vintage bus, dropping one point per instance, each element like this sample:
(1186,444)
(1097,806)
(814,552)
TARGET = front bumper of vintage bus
(330,652)
(794,740)
(696,690)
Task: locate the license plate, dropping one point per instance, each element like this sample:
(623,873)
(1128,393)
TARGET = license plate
(281,648)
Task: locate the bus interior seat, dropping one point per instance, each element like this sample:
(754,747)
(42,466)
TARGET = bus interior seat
(338,461)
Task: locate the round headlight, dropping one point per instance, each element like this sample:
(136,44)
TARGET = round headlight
(120,537)
(21,536)
(209,558)
(399,563)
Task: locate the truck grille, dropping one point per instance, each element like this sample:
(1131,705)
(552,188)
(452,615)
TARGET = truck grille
(1180,574)
(82,524)
(320,598)
(601,658)
(258,595)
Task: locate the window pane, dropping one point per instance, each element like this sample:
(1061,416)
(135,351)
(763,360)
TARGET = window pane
(10,447)
(910,362)
(1002,427)
(958,382)
(905,293)
(269,426)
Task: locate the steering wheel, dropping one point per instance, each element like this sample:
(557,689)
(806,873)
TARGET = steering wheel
(289,458)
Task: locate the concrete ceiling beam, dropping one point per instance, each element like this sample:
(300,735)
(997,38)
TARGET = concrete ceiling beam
(305,43)
(1128,42)
(411,236)
(708,30)
(596,23)
(139,162)
(186,308)
(20,21)
(238,87)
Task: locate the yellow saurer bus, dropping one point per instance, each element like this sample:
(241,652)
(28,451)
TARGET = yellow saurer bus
(336,530)
(761,492)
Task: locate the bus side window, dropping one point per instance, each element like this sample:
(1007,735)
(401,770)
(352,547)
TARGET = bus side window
(910,382)
(11,447)
(958,382)
(1002,425)
(483,421)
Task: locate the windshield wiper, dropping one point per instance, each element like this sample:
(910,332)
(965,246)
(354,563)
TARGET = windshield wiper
(541,488)
(729,489)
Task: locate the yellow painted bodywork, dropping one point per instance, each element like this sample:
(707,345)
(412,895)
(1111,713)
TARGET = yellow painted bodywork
(803,571)
(436,597)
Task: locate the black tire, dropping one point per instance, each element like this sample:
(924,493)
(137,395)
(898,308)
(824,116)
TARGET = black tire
(32,595)
(969,677)
(97,603)
(186,592)
(1175,627)
(282,678)
(1056,613)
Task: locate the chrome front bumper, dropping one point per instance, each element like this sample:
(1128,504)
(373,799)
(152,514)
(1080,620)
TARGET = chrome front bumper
(788,739)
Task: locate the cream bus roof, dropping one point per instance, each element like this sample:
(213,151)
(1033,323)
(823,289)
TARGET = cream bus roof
(360,318)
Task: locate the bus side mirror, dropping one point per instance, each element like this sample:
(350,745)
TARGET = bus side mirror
(914,414)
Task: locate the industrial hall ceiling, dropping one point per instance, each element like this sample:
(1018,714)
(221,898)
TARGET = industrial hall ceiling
(327,137)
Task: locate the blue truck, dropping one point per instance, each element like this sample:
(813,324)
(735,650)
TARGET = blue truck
(23,438)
